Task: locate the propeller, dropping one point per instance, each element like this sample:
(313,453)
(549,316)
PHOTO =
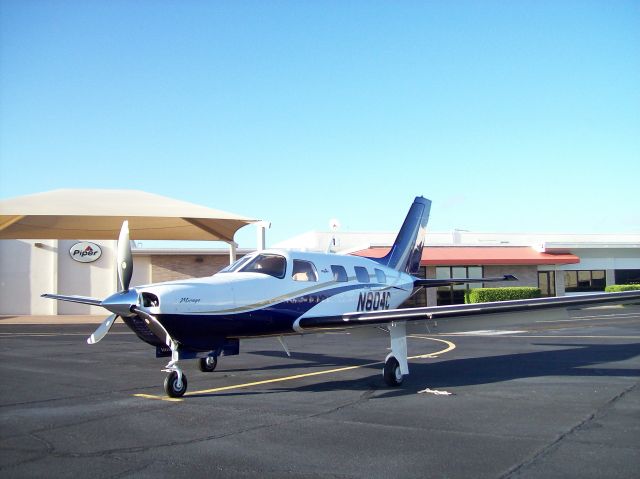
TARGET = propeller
(125,260)
(155,326)
(102,330)
(120,303)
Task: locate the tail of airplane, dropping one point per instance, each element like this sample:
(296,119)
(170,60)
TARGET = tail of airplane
(406,252)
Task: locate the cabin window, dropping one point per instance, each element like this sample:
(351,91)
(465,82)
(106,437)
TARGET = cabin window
(380,276)
(339,273)
(362,274)
(304,271)
(271,264)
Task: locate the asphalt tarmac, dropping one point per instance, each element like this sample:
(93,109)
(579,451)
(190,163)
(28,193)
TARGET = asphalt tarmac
(556,399)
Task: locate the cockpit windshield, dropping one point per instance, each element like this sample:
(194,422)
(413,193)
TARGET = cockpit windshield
(236,265)
(271,264)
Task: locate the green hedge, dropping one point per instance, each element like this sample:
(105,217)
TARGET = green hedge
(616,288)
(487,295)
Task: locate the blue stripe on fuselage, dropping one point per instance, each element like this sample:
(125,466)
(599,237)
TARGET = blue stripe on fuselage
(202,331)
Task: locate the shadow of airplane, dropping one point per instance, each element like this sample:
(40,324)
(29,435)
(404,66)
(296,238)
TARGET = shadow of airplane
(576,360)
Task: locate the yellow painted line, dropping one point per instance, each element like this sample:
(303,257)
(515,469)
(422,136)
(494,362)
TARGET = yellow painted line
(450,347)
(277,380)
(159,398)
(47,335)
(537,336)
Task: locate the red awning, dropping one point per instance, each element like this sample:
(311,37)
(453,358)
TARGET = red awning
(482,255)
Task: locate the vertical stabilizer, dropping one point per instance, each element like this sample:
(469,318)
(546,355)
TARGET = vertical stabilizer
(406,252)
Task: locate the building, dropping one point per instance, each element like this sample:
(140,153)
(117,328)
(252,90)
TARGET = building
(557,263)
(55,261)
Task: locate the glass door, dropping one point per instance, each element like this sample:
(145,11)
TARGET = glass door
(547,283)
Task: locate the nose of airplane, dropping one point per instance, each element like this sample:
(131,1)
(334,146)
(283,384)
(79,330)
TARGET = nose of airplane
(122,302)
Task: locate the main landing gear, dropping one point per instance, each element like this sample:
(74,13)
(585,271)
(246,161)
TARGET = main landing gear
(396,365)
(208,364)
(391,372)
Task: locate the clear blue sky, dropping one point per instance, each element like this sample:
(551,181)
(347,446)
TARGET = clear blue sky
(511,116)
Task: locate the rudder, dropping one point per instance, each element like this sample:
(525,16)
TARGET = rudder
(406,252)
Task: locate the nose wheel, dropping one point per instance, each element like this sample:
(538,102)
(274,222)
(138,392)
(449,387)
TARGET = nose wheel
(175,384)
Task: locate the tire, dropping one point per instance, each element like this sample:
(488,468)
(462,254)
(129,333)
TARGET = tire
(391,372)
(170,385)
(208,364)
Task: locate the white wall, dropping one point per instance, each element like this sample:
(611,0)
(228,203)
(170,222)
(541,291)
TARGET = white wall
(95,280)
(27,271)
(605,258)
(141,270)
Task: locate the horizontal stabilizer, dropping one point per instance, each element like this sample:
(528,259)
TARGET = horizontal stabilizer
(74,299)
(432,283)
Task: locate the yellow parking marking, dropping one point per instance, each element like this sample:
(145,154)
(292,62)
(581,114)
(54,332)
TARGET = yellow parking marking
(539,336)
(449,344)
(46,335)
(160,398)
(450,347)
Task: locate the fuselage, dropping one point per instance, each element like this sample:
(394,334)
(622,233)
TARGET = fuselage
(268,292)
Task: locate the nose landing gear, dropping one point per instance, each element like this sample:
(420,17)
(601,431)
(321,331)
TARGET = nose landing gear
(175,384)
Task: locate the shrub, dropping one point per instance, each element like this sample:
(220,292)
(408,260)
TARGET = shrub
(487,295)
(616,288)
(467,293)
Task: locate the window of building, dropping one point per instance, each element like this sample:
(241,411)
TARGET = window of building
(547,283)
(419,298)
(380,276)
(362,274)
(339,273)
(271,264)
(304,271)
(584,281)
(454,294)
(627,276)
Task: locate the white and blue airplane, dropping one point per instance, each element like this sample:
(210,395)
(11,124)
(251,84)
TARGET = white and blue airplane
(282,292)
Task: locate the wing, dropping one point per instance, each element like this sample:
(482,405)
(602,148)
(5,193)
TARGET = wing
(460,317)
(432,283)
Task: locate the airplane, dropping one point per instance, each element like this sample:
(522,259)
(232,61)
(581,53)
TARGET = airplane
(278,292)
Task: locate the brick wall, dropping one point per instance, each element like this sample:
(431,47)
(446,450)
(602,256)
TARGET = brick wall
(527,275)
(172,267)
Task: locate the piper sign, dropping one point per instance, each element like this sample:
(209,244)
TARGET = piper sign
(85,252)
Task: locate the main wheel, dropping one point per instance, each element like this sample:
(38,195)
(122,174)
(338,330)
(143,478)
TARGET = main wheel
(391,372)
(208,364)
(171,385)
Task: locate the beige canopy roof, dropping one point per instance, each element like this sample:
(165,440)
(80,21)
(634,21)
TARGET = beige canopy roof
(98,214)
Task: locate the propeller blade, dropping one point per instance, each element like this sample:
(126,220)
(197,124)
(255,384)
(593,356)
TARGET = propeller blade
(102,330)
(125,259)
(155,326)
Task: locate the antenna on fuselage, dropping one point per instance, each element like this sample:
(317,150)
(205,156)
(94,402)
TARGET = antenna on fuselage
(334,224)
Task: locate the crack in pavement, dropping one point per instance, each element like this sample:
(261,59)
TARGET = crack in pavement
(138,449)
(553,445)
